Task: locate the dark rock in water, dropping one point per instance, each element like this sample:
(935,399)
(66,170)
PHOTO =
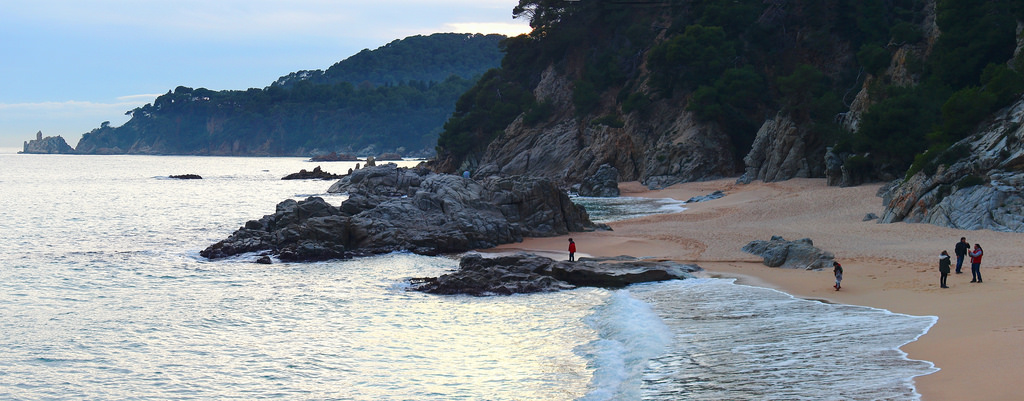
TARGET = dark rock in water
(399,209)
(799,254)
(705,198)
(264,260)
(316,174)
(527,273)
(604,183)
(186,177)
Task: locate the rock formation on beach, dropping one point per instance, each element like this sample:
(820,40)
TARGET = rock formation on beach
(799,254)
(527,273)
(400,209)
(604,183)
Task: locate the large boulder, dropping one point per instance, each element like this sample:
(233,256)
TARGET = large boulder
(527,273)
(604,183)
(799,254)
(400,209)
(981,189)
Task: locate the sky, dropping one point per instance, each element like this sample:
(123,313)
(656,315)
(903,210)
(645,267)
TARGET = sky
(66,66)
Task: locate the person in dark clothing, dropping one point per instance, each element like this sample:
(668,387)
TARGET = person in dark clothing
(976,263)
(961,250)
(944,263)
(837,269)
(572,250)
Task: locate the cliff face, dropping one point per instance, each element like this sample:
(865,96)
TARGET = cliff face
(982,190)
(47,145)
(673,98)
(665,146)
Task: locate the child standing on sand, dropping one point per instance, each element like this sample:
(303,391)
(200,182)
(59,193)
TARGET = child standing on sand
(837,269)
(572,250)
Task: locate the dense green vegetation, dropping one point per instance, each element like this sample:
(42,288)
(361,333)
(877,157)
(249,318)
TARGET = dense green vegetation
(737,63)
(304,116)
(965,80)
(430,58)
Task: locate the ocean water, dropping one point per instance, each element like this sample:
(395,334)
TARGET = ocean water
(104,296)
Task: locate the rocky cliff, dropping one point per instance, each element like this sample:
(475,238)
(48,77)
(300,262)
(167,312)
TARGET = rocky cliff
(981,189)
(692,92)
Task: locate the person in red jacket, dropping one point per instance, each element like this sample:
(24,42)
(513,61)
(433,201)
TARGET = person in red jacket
(572,250)
(976,263)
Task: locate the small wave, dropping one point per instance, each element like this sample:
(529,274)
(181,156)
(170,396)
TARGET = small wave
(629,334)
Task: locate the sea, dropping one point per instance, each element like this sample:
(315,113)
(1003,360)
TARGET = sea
(103,296)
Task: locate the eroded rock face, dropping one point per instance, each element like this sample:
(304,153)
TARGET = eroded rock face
(799,254)
(604,183)
(399,209)
(982,190)
(664,145)
(527,273)
(781,150)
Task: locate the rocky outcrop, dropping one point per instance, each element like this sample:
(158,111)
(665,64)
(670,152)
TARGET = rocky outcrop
(316,174)
(781,151)
(186,177)
(526,273)
(604,183)
(799,254)
(47,145)
(982,190)
(398,209)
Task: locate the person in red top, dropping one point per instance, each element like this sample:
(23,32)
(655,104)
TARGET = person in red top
(976,263)
(572,250)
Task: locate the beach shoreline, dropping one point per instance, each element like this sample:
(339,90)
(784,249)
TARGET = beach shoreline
(976,342)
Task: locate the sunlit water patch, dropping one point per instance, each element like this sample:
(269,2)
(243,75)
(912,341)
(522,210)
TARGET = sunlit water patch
(604,210)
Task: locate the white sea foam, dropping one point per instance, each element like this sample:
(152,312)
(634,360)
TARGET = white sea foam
(629,334)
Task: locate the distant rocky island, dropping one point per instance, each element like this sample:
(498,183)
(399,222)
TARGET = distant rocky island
(47,145)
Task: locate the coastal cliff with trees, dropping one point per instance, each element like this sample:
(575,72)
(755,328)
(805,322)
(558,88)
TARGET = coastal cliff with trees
(392,99)
(675,91)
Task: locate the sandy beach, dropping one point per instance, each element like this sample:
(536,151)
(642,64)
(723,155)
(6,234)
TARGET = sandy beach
(978,341)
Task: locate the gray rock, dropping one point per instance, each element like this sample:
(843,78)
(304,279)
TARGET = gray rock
(527,273)
(870,216)
(780,151)
(604,183)
(395,209)
(705,198)
(799,254)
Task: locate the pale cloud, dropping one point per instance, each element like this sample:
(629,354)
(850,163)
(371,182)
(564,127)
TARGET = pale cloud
(507,29)
(139,98)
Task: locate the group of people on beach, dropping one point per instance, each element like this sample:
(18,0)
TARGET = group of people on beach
(962,249)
